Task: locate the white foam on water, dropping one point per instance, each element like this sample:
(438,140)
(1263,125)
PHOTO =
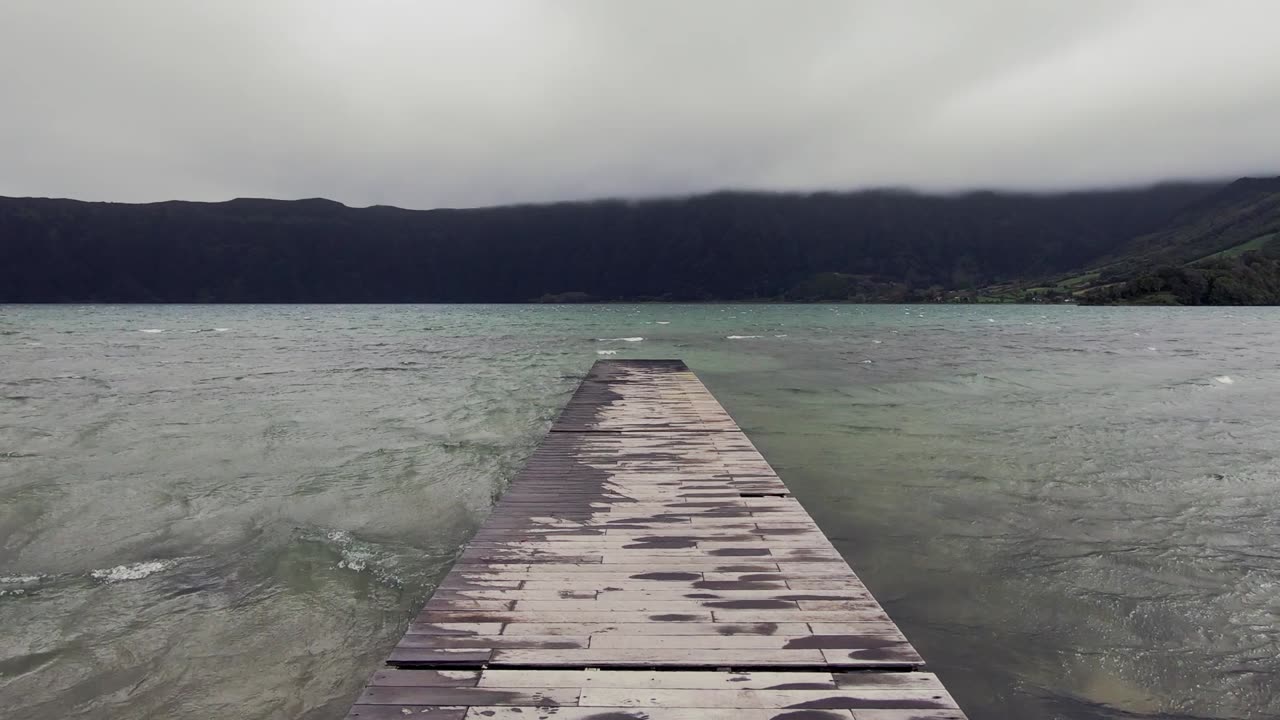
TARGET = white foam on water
(19,579)
(133,571)
(1150,348)
(221,329)
(663,322)
(866,362)
(1225,380)
(354,560)
(781,336)
(625,339)
(878,342)
(15,592)
(741,337)
(358,556)
(606,352)
(151,330)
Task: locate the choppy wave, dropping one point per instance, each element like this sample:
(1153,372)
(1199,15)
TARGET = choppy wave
(359,556)
(741,337)
(1108,510)
(132,571)
(20,579)
(1225,380)
(151,330)
(620,339)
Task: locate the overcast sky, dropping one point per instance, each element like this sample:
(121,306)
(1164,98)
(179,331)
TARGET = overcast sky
(475,102)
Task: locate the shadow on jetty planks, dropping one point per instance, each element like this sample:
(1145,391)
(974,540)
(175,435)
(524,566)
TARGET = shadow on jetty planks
(648,563)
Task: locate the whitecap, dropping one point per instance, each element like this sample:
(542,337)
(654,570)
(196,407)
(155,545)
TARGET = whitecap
(151,330)
(663,322)
(221,329)
(134,571)
(19,579)
(606,352)
(622,339)
(741,337)
(1225,380)
(991,319)
(359,556)
(866,362)
(878,342)
(354,560)
(781,336)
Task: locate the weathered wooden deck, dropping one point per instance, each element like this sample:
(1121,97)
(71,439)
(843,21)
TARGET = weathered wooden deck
(647,563)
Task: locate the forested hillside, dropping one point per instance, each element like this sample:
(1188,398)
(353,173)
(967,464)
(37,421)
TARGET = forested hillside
(1221,250)
(874,246)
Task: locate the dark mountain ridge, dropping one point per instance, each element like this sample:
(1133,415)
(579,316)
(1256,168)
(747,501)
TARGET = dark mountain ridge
(874,246)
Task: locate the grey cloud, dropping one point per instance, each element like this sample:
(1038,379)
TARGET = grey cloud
(425,104)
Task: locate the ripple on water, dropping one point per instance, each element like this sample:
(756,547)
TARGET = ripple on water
(1063,522)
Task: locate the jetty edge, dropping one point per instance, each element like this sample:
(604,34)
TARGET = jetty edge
(648,564)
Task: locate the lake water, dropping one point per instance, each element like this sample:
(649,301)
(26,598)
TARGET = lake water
(233,511)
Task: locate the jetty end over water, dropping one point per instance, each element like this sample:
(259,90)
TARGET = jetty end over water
(648,564)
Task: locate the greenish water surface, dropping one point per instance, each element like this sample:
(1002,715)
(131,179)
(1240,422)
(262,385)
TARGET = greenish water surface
(233,511)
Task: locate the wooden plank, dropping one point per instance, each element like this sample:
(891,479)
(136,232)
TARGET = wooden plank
(846,699)
(441,658)
(648,563)
(500,616)
(659,629)
(426,678)
(909,715)
(670,679)
(555,642)
(639,593)
(464,696)
(799,615)
(396,712)
(718,657)
(625,713)
(878,641)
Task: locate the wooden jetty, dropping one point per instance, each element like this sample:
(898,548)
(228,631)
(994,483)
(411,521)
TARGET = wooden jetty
(648,564)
